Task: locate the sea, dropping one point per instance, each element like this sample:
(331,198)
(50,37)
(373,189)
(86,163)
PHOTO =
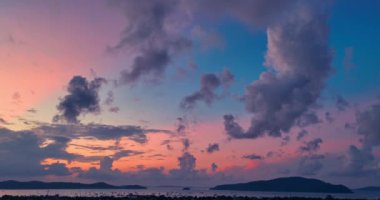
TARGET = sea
(178,191)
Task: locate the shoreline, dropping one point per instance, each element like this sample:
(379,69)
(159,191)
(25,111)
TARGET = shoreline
(160,197)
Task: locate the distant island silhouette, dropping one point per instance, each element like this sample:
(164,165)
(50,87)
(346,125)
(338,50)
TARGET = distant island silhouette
(61,185)
(286,184)
(369,189)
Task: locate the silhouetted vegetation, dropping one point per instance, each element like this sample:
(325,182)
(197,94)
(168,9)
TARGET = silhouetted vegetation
(160,197)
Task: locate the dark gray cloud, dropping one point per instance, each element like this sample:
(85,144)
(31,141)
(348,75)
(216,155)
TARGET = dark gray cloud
(212,148)
(368,125)
(359,162)
(58,169)
(181,125)
(308,119)
(310,165)
(350,126)
(22,152)
(311,146)
(232,128)
(151,34)
(96,147)
(98,131)
(207,92)
(109,102)
(253,157)
(299,62)
(214,167)
(302,134)
(341,103)
(125,153)
(272,154)
(186,144)
(167,144)
(329,117)
(187,162)
(285,140)
(186,173)
(83,98)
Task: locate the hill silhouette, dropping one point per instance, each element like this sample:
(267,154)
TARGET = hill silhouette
(287,184)
(62,185)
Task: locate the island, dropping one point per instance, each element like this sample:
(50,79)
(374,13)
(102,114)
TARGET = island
(287,184)
(14,185)
(369,189)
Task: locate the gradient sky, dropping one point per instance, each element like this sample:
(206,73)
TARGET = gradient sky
(189,92)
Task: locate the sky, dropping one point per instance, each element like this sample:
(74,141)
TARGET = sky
(179,92)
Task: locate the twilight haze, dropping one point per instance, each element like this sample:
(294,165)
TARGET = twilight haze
(189,92)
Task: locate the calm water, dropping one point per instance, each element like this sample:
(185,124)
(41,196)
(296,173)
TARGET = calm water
(176,191)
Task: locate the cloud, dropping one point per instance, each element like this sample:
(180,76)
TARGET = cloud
(285,140)
(227,78)
(83,98)
(155,30)
(311,146)
(167,144)
(328,117)
(98,131)
(58,169)
(359,162)
(207,92)
(212,148)
(109,102)
(4,122)
(299,61)
(310,165)
(125,153)
(308,119)
(302,134)
(207,38)
(187,162)
(341,103)
(272,154)
(368,125)
(32,110)
(252,157)
(181,125)
(22,152)
(214,167)
(233,128)
(114,109)
(152,33)
(186,173)
(186,144)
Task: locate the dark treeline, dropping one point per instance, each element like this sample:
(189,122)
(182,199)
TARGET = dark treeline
(160,197)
